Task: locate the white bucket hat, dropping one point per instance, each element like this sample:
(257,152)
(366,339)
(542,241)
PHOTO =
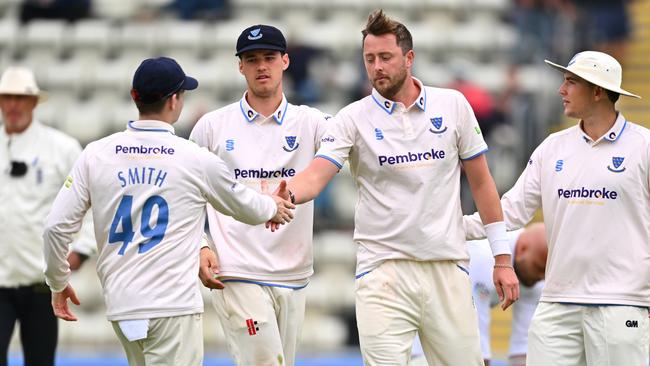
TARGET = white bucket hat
(597,68)
(17,80)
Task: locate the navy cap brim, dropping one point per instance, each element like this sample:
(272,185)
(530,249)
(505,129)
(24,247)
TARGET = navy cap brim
(255,47)
(190,83)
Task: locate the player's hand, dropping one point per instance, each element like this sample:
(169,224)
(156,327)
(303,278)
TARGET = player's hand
(209,269)
(281,196)
(60,303)
(284,213)
(505,281)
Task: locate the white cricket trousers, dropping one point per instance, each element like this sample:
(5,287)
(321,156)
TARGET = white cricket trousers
(402,297)
(581,335)
(261,323)
(170,341)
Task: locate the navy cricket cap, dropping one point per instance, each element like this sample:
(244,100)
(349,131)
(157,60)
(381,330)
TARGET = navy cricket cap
(158,78)
(261,37)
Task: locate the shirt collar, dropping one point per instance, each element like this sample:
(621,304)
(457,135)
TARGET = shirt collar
(150,126)
(250,114)
(389,106)
(614,133)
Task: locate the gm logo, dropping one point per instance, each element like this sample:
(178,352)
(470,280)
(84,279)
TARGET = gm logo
(291,141)
(558,165)
(632,324)
(378,134)
(616,161)
(255,34)
(230,145)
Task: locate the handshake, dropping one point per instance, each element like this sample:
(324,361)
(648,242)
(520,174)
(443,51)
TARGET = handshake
(284,210)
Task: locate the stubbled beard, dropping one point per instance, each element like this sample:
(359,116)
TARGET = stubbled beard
(393,89)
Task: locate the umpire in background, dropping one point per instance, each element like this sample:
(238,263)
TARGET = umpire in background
(34,161)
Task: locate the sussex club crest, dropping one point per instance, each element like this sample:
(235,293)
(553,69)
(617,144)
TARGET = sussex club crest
(291,144)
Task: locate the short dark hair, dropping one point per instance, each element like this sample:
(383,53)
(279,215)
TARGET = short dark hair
(152,108)
(613,96)
(379,24)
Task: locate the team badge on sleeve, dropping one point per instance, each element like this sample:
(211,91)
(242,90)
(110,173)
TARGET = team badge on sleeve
(68,182)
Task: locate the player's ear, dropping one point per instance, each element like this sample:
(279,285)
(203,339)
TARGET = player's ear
(285,61)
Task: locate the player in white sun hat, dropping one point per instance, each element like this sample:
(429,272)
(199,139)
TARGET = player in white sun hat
(592,181)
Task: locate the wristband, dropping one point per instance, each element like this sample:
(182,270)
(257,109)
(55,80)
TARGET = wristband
(503,266)
(498,238)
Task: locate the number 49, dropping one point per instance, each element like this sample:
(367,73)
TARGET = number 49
(123,214)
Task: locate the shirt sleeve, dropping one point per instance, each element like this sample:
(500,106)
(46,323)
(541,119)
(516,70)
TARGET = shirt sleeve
(470,138)
(84,242)
(337,142)
(525,197)
(230,197)
(71,204)
(201,133)
(322,121)
(519,203)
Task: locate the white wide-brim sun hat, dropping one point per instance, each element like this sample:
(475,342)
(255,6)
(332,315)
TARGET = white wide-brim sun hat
(17,80)
(597,68)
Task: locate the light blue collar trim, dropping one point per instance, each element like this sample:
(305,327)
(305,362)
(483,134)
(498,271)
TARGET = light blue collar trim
(250,114)
(389,106)
(617,130)
(150,126)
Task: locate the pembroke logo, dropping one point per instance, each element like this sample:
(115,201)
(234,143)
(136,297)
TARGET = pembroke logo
(617,161)
(437,125)
(255,34)
(291,141)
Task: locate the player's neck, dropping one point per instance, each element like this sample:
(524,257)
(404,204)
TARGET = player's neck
(162,117)
(265,105)
(409,92)
(599,121)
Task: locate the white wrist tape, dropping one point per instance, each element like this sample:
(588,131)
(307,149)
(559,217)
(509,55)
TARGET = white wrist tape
(498,238)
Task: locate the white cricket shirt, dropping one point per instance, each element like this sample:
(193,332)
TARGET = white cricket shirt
(25,201)
(595,196)
(148,190)
(481,267)
(272,149)
(405,161)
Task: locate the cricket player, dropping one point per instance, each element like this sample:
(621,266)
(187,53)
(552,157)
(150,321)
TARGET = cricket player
(529,251)
(148,189)
(261,137)
(592,182)
(406,143)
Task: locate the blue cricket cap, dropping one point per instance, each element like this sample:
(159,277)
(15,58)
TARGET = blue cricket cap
(261,37)
(158,78)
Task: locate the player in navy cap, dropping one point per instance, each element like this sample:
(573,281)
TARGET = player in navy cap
(261,137)
(149,190)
